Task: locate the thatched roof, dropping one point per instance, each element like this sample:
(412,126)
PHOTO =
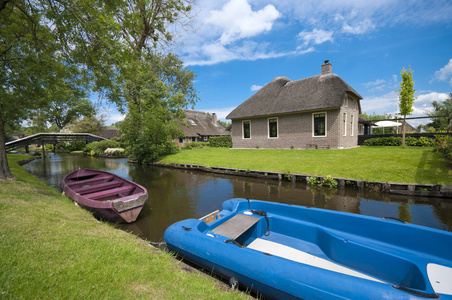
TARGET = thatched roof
(283,95)
(201,124)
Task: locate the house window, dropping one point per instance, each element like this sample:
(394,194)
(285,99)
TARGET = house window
(206,138)
(181,140)
(346,101)
(319,124)
(344,127)
(192,122)
(351,124)
(246,125)
(273,127)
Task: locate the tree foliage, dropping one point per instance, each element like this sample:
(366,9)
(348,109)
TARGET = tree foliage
(442,114)
(118,48)
(406,97)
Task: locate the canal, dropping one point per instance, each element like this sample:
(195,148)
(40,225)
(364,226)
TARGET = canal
(177,194)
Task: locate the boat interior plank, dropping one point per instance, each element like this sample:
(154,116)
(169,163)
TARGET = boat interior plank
(111,192)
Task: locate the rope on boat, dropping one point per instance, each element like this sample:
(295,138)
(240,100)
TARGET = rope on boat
(262,214)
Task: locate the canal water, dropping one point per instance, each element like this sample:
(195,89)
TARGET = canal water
(175,195)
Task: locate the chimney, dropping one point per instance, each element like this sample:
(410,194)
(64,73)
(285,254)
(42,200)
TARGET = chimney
(214,119)
(327,68)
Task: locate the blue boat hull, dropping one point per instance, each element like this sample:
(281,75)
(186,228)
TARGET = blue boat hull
(298,252)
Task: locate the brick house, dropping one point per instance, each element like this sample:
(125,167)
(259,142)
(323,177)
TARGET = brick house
(318,112)
(199,127)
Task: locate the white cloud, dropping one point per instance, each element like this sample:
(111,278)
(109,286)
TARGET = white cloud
(388,103)
(225,27)
(445,73)
(238,20)
(374,83)
(255,87)
(316,37)
(249,51)
(430,97)
(360,27)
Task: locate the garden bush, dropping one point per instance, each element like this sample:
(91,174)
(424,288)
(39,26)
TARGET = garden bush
(221,141)
(98,148)
(194,145)
(397,141)
(114,152)
(384,141)
(443,145)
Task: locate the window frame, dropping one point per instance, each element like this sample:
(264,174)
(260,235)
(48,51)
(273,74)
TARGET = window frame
(243,129)
(268,128)
(325,121)
(352,125)
(344,124)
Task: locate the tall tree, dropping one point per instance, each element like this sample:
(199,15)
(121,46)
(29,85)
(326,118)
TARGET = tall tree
(28,57)
(406,97)
(116,45)
(442,112)
(124,50)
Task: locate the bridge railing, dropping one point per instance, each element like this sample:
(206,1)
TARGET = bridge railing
(52,138)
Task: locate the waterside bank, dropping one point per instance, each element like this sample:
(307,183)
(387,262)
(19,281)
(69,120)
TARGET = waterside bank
(52,249)
(410,189)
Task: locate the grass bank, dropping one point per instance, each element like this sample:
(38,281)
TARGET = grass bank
(386,164)
(52,249)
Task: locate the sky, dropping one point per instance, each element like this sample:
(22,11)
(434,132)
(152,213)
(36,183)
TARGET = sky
(238,46)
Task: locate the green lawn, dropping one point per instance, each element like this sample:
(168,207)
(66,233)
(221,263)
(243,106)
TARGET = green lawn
(386,164)
(52,249)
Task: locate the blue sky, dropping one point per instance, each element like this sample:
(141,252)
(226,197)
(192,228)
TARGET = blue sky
(238,46)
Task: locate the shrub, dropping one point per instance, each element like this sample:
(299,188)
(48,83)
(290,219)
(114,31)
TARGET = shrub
(411,141)
(114,151)
(220,141)
(443,145)
(98,148)
(313,181)
(329,182)
(397,141)
(384,141)
(193,145)
(426,142)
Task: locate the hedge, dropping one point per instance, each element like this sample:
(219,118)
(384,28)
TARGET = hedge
(221,141)
(397,141)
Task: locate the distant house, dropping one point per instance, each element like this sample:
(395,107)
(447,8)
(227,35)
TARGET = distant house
(316,112)
(200,127)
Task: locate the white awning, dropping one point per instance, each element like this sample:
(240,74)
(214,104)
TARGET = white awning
(381,124)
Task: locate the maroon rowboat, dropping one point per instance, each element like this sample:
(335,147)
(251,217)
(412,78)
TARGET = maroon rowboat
(107,195)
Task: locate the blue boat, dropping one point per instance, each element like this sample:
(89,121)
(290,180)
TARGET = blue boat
(285,251)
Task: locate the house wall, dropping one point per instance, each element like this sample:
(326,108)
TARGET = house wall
(295,131)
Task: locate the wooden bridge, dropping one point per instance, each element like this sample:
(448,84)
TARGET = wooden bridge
(52,138)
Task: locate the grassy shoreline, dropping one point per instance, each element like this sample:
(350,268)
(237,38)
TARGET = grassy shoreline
(51,249)
(385,164)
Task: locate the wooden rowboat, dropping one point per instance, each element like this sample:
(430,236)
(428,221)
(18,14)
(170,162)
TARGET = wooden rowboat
(290,252)
(107,195)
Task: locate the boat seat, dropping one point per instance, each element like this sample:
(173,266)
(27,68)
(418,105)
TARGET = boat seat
(276,249)
(86,189)
(236,226)
(74,181)
(109,193)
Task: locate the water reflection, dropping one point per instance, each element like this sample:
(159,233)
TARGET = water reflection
(176,195)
